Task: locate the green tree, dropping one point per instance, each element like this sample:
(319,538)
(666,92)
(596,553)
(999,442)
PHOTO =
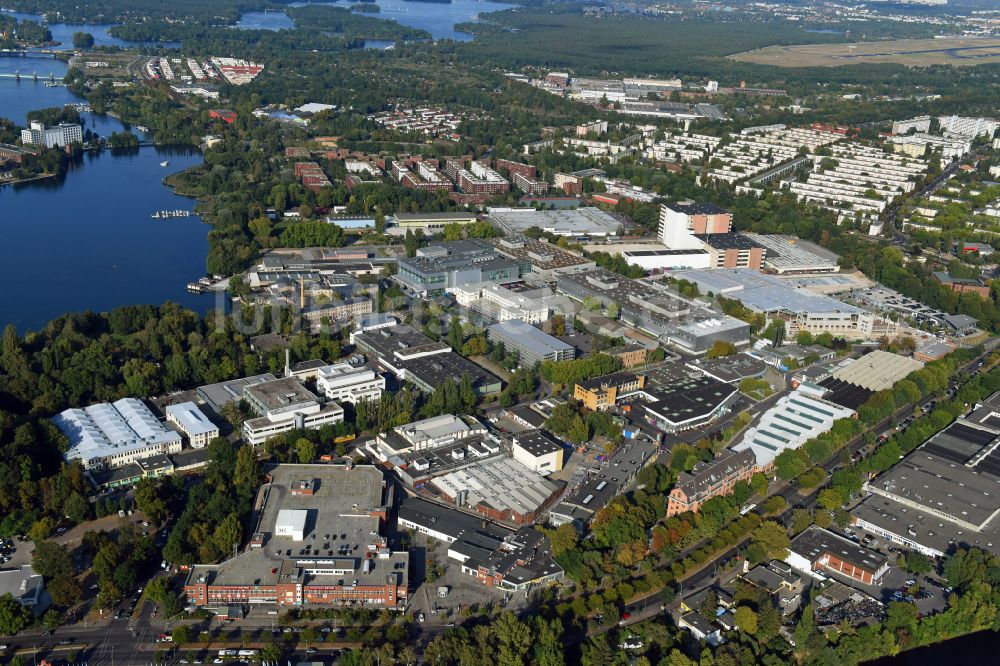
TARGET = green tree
(830,499)
(13,616)
(772,538)
(746,619)
(305,450)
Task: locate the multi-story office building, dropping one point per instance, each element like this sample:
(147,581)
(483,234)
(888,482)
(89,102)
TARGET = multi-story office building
(712,479)
(343,382)
(110,435)
(679,222)
(51,137)
(282,405)
(532,345)
(437,268)
(500,304)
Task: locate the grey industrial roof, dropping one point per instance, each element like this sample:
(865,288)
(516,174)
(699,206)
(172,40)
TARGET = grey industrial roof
(695,208)
(815,541)
(565,221)
(534,339)
(537,443)
(218,395)
(761,292)
(191,419)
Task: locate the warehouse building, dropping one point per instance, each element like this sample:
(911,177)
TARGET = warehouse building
(687,402)
(795,419)
(943,494)
(538,452)
(221,394)
(547,260)
(110,435)
(574,223)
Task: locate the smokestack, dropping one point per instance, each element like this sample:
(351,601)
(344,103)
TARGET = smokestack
(288,363)
(302,293)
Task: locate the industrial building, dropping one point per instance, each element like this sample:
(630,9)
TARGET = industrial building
(109,435)
(413,357)
(531,344)
(818,551)
(799,309)
(343,382)
(26,588)
(795,419)
(495,556)
(547,260)
(217,396)
(712,479)
(538,452)
(420,436)
(497,303)
(429,223)
(788,255)
(573,223)
(282,405)
(686,402)
(191,421)
(436,268)
(318,541)
(943,494)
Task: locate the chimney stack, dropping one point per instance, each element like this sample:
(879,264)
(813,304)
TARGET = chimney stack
(288,362)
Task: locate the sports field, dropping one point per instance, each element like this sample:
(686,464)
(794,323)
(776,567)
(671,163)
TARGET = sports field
(910,52)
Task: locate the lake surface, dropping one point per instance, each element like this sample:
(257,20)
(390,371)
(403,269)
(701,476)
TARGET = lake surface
(970,650)
(437,19)
(265,21)
(63,33)
(86,240)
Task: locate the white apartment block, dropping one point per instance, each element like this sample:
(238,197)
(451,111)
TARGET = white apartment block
(343,382)
(918,145)
(686,147)
(109,435)
(971,127)
(749,155)
(920,123)
(860,171)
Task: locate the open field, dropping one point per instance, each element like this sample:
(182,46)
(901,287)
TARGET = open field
(909,52)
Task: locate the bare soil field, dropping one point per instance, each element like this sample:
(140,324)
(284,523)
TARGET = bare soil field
(910,52)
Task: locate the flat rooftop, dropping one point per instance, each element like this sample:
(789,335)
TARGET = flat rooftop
(191,419)
(221,394)
(815,541)
(564,222)
(341,529)
(280,393)
(764,293)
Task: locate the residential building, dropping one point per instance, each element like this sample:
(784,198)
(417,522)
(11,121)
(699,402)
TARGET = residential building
(190,420)
(920,124)
(780,581)
(358,569)
(971,127)
(712,479)
(529,186)
(109,435)
(282,405)
(569,184)
(437,268)
(818,551)
(59,136)
(700,628)
(477,179)
(603,393)
(531,344)
(538,452)
(343,382)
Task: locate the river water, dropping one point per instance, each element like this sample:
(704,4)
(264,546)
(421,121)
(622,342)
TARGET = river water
(86,240)
(63,33)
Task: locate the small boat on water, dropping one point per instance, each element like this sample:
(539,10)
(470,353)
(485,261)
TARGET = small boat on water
(165,163)
(165,214)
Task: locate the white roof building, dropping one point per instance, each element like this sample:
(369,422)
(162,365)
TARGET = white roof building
(193,422)
(114,434)
(794,419)
(291,523)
